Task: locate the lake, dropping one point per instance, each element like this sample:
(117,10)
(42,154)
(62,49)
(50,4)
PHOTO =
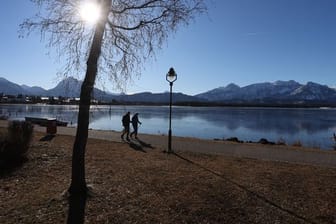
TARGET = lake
(311,127)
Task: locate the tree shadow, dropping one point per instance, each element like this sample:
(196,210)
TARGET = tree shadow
(47,138)
(76,211)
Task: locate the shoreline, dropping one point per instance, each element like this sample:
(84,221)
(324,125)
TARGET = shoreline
(247,124)
(266,152)
(262,141)
(196,104)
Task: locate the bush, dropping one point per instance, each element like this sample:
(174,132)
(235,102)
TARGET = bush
(15,143)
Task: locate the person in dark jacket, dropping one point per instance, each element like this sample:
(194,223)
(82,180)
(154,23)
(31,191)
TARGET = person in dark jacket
(135,122)
(126,124)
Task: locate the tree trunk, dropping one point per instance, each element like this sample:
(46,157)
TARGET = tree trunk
(78,182)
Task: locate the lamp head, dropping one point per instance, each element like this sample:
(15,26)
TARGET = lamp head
(171,75)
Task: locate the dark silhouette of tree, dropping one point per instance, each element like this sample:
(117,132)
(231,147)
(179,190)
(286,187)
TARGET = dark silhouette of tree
(127,34)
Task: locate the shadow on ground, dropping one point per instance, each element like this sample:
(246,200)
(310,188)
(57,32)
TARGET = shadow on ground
(246,189)
(139,145)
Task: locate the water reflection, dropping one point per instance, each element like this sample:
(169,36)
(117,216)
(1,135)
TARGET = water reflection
(312,127)
(281,121)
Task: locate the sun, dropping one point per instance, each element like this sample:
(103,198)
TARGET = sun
(90,12)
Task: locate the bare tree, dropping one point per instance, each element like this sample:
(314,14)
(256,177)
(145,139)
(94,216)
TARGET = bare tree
(127,34)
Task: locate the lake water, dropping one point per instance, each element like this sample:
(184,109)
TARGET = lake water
(311,127)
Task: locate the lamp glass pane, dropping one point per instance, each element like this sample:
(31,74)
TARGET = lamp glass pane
(171,77)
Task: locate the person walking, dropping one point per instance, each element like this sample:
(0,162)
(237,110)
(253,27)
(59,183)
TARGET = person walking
(126,124)
(135,122)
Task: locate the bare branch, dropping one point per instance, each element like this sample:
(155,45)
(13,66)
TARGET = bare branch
(127,7)
(135,29)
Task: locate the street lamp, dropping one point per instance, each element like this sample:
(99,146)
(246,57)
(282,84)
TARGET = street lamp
(170,77)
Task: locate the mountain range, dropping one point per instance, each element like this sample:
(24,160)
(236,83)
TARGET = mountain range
(279,92)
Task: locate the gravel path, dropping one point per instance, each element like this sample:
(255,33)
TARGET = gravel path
(247,150)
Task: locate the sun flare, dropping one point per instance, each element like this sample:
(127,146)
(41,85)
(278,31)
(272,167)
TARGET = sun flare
(90,12)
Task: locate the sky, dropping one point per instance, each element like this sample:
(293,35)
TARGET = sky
(237,41)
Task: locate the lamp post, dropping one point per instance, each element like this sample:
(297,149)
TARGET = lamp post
(170,77)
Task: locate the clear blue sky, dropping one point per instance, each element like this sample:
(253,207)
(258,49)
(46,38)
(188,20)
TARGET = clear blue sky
(239,41)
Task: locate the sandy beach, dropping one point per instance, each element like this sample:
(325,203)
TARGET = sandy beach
(203,182)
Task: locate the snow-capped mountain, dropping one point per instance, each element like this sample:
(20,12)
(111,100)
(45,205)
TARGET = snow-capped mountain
(314,91)
(279,90)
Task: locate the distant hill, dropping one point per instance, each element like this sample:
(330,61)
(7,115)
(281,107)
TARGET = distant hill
(268,93)
(70,87)
(35,90)
(148,97)
(10,88)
